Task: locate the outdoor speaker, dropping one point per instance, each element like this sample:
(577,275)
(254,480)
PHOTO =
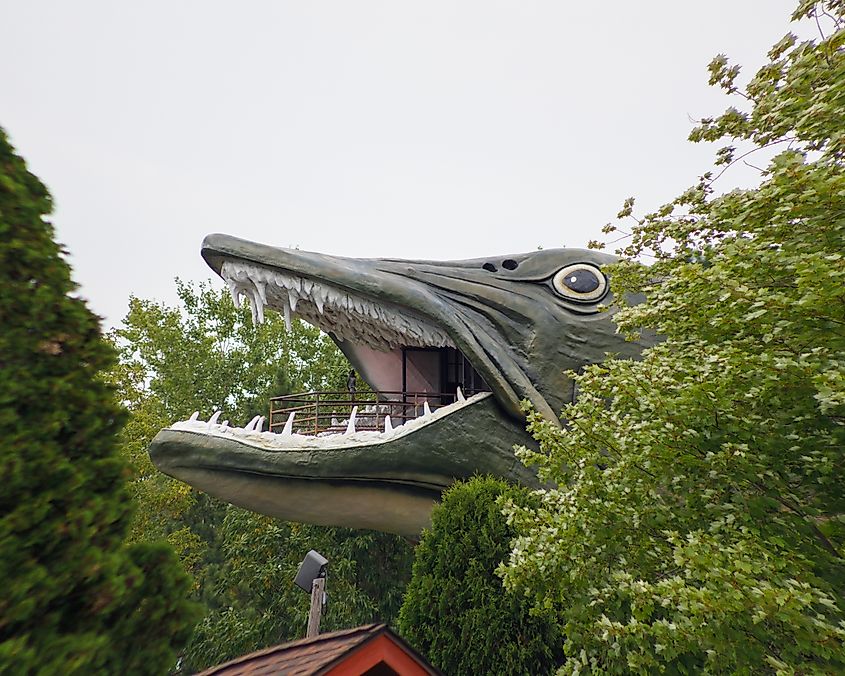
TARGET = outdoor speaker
(312,566)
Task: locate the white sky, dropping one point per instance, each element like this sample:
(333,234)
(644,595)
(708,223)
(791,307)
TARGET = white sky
(406,129)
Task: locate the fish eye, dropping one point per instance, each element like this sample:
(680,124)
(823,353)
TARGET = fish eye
(580,281)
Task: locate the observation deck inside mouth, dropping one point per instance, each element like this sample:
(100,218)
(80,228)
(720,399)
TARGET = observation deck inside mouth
(404,357)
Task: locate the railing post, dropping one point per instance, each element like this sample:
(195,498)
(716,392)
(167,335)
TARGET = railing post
(316,413)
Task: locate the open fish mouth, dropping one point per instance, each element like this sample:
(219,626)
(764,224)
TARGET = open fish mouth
(381,338)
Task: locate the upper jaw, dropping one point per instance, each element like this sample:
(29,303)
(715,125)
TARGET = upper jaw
(378,303)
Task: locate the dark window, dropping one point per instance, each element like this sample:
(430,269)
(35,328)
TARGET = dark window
(459,372)
(380,669)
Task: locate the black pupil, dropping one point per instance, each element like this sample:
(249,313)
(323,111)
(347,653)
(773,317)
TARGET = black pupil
(581,281)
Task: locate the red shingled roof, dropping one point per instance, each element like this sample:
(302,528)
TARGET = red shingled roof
(350,651)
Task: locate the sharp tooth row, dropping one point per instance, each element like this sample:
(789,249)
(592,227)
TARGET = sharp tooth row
(289,439)
(346,315)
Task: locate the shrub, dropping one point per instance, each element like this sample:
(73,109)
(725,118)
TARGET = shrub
(456,611)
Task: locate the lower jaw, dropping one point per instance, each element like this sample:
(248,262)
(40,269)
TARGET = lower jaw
(390,486)
(392,508)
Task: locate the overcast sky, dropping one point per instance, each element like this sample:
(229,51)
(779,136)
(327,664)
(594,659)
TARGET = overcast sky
(405,129)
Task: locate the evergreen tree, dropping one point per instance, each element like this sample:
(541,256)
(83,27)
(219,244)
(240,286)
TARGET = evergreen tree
(456,611)
(74,599)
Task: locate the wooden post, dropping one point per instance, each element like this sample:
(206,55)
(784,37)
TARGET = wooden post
(318,589)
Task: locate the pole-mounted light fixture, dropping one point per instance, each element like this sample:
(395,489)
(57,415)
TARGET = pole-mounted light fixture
(311,578)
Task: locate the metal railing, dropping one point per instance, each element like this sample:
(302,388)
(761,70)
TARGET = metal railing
(317,412)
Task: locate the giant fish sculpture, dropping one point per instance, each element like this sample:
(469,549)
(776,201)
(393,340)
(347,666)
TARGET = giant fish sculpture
(506,328)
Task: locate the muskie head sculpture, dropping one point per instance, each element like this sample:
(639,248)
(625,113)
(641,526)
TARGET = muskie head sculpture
(520,321)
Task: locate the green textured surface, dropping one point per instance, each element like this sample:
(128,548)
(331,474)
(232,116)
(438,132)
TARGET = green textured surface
(517,331)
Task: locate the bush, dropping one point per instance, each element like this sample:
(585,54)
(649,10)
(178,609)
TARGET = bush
(456,611)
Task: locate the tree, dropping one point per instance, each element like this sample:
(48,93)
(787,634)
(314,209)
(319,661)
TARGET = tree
(203,355)
(698,522)
(74,598)
(257,603)
(206,354)
(456,611)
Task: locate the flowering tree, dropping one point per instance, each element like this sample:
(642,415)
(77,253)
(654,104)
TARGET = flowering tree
(699,518)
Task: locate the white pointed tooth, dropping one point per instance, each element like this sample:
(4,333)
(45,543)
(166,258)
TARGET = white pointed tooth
(318,297)
(460,395)
(194,415)
(388,426)
(258,307)
(288,430)
(426,408)
(293,297)
(259,426)
(350,427)
(252,307)
(251,424)
(235,292)
(225,423)
(213,419)
(261,287)
(288,325)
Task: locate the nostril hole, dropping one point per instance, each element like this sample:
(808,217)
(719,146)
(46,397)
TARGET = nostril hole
(489,267)
(509,264)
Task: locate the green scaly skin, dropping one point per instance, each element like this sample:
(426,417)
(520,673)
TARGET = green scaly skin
(519,329)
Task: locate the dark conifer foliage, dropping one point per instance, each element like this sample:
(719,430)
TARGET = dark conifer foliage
(456,611)
(73,598)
